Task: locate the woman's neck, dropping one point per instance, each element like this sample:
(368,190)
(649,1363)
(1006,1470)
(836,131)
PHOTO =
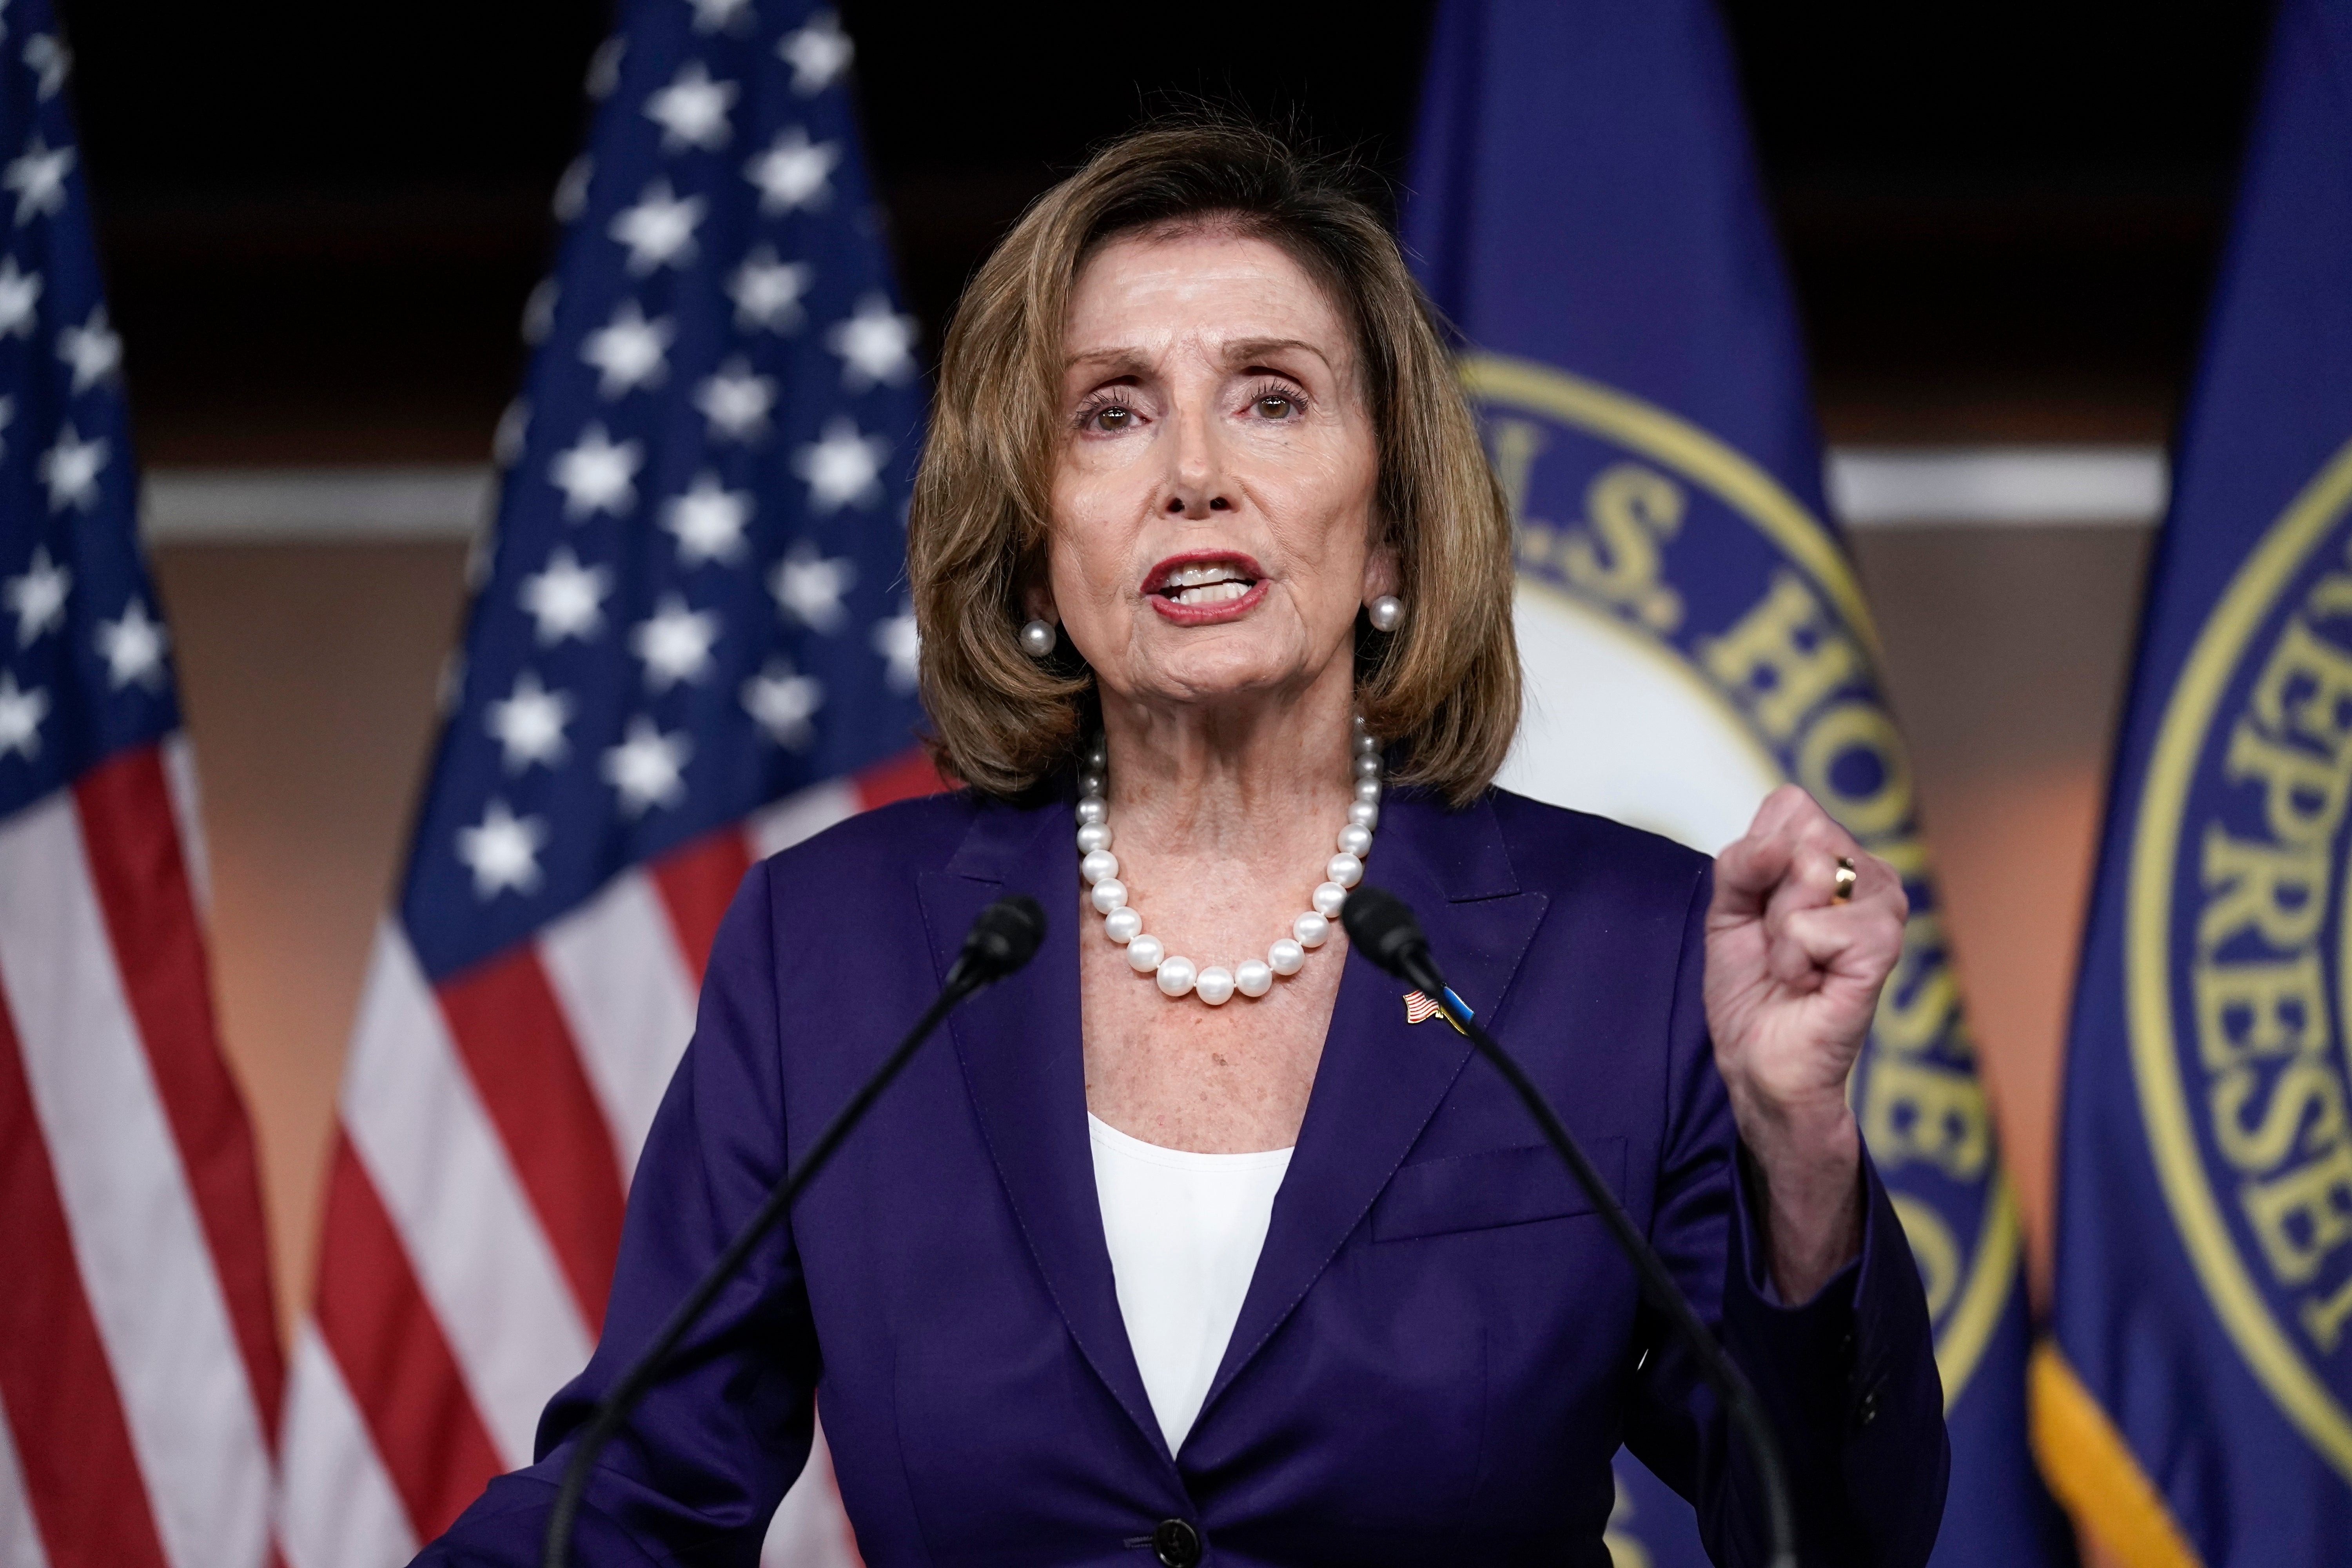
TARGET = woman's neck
(1233,780)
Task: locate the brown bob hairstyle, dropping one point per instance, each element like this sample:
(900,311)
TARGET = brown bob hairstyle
(1444,687)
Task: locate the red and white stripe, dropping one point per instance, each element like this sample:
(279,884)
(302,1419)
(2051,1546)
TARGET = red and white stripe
(139,1360)
(488,1127)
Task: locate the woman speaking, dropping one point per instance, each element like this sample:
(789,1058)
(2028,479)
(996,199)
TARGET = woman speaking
(1189,1244)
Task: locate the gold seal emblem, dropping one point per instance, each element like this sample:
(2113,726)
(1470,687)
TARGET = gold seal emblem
(2236,963)
(1656,559)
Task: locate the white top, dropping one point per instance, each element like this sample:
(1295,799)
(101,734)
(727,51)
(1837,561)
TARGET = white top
(1184,1231)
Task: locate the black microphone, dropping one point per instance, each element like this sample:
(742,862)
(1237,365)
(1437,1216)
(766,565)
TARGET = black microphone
(1382,927)
(1005,937)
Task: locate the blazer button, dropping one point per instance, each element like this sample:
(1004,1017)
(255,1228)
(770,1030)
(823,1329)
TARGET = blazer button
(1866,1410)
(1176,1543)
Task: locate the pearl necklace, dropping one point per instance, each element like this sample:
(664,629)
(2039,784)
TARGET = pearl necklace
(1178,975)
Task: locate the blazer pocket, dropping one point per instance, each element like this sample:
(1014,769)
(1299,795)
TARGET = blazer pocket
(1494,1187)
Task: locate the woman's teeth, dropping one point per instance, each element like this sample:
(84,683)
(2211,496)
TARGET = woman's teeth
(1210,594)
(1200,575)
(1209,583)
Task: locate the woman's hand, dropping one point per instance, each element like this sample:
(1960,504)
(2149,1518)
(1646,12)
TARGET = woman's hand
(1792,981)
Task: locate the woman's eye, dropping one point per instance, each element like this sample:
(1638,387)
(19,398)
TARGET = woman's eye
(1114,417)
(1274,406)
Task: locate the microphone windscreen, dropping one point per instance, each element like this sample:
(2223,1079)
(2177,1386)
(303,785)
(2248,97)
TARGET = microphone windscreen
(1006,935)
(1382,927)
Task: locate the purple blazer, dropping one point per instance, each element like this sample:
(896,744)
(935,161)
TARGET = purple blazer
(1440,1351)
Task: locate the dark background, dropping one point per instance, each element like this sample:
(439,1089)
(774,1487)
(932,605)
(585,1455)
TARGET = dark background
(320,223)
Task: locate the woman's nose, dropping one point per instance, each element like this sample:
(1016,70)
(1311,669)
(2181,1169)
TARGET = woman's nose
(1196,502)
(1198,484)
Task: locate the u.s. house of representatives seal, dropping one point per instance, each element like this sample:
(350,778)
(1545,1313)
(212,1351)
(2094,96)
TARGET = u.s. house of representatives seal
(1693,636)
(2238,959)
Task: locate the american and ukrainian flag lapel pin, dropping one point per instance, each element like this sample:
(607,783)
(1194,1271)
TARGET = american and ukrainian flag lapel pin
(1419,1009)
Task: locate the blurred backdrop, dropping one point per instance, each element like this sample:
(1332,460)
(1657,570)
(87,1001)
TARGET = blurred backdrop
(321,226)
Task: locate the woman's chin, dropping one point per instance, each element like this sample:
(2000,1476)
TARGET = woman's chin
(1223,678)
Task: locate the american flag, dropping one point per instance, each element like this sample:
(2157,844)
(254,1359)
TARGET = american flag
(690,645)
(138,1357)
(1419,1009)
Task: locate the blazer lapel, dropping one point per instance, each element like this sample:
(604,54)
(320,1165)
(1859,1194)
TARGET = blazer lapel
(1024,1067)
(1380,1081)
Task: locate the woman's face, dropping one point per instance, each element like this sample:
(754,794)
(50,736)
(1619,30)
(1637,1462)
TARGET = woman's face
(1213,498)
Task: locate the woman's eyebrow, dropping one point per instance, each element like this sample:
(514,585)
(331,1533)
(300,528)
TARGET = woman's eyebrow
(1243,350)
(1119,360)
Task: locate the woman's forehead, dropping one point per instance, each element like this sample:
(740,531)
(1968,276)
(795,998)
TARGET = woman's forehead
(1214,290)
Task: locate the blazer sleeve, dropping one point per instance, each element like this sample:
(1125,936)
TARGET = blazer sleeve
(1847,1378)
(700,1467)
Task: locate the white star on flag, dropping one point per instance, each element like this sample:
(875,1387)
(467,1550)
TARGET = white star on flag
(896,640)
(875,345)
(605,66)
(449,687)
(572,188)
(721,15)
(133,648)
(566,599)
(529,724)
(19,293)
(808,586)
(707,520)
(21,713)
(692,109)
(514,425)
(674,642)
(70,470)
(648,768)
(51,59)
(659,230)
(767,292)
(93,349)
(539,309)
(629,352)
(793,172)
(842,467)
(503,851)
(37,599)
(818,53)
(736,401)
(783,702)
(596,474)
(39,178)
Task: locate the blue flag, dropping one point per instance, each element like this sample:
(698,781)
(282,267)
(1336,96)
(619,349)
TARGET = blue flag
(1583,205)
(2196,1404)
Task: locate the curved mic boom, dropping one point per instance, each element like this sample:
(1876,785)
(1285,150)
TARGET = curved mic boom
(1005,937)
(1382,927)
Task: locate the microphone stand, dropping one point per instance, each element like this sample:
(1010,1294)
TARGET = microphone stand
(1382,927)
(1004,938)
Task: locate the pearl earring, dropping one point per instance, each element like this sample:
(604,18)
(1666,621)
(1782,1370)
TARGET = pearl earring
(1039,637)
(1387,613)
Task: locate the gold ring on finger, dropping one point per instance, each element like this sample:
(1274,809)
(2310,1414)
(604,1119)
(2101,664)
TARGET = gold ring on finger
(1841,890)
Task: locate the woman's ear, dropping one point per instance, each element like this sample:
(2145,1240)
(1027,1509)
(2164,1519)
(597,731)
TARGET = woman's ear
(1037,599)
(1032,576)
(1382,572)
